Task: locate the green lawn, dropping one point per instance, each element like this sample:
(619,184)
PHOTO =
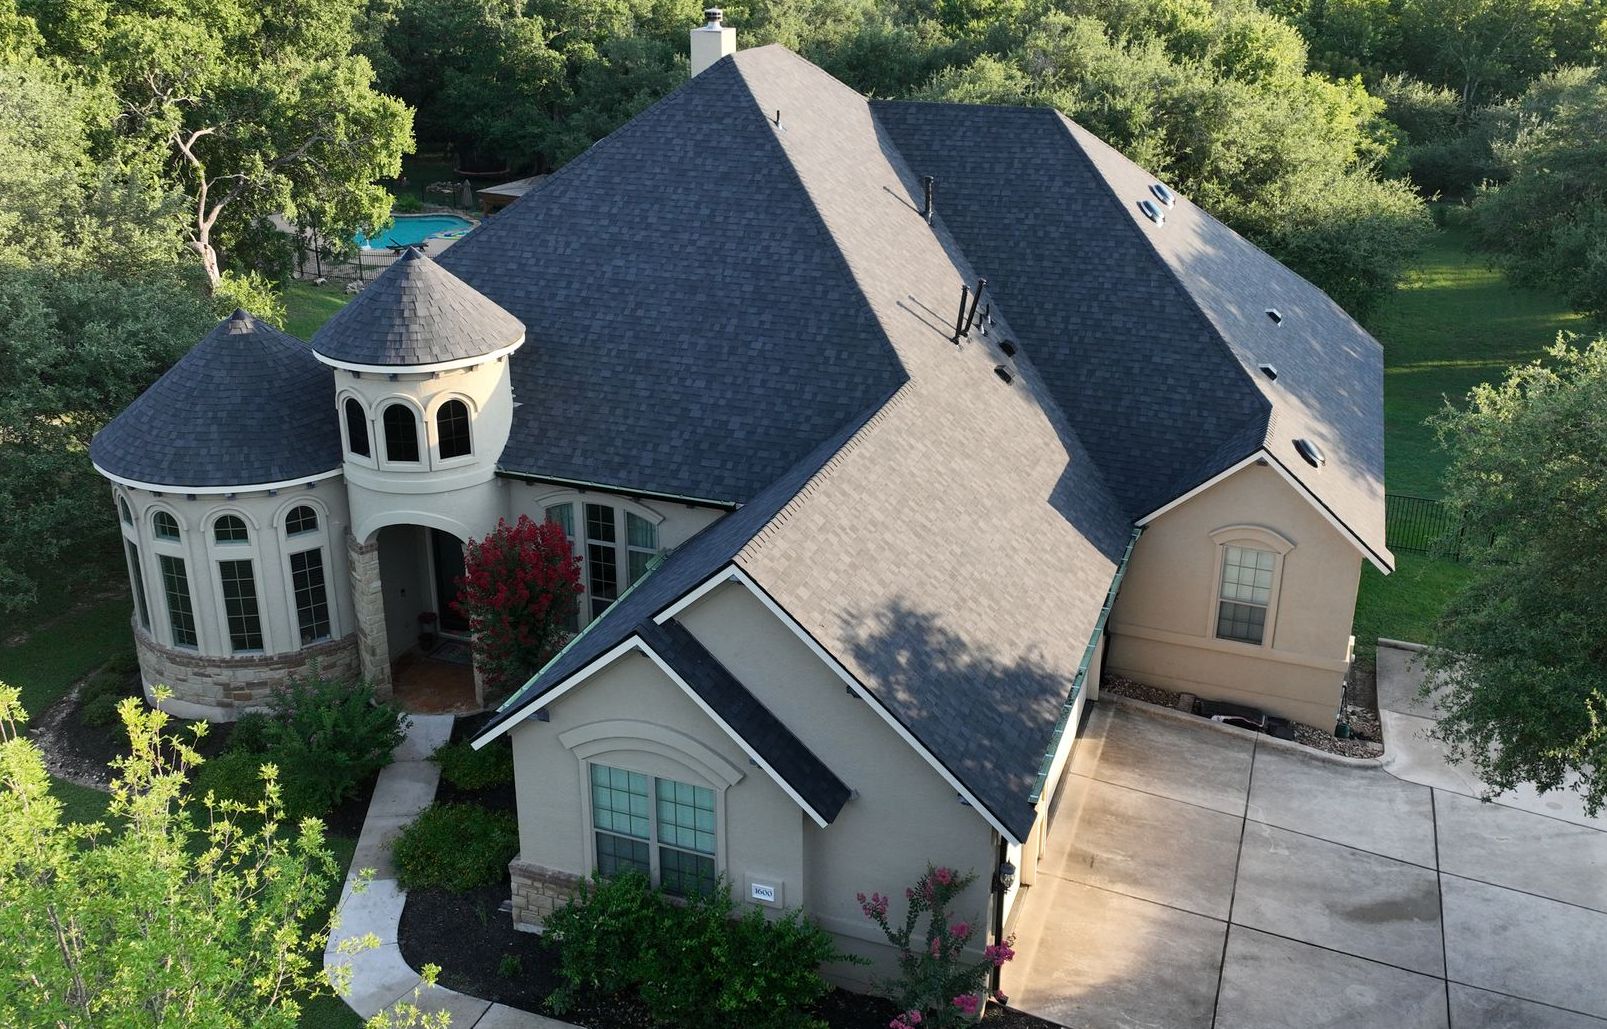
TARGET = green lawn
(71,645)
(1453,324)
(307,307)
(79,803)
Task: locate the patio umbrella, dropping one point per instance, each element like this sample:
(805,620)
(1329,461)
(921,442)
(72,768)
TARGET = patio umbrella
(467,200)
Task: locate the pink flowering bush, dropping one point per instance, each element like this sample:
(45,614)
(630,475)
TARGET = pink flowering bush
(936,986)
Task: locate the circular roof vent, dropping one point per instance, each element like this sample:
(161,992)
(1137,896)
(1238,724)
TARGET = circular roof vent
(1311,452)
(1162,194)
(1152,211)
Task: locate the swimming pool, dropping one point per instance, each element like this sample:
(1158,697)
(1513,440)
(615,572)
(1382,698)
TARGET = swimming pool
(409,229)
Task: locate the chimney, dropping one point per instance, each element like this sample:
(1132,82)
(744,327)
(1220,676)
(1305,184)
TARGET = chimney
(712,40)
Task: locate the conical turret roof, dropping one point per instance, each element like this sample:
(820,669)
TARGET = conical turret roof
(416,313)
(249,405)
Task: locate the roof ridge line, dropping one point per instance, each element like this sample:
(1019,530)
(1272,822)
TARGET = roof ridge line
(1193,302)
(760,537)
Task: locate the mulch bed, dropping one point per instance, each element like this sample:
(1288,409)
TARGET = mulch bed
(1366,738)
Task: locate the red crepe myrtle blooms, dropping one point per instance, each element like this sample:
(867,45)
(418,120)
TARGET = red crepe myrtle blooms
(967,1003)
(518,593)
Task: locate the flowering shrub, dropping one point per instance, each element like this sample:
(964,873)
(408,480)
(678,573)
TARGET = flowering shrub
(518,593)
(936,985)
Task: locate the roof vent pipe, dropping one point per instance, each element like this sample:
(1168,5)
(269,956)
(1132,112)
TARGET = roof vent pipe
(926,205)
(711,41)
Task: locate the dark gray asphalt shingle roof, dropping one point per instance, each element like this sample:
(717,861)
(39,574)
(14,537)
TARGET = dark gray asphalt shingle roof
(794,762)
(693,329)
(248,405)
(416,313)
(1151,336)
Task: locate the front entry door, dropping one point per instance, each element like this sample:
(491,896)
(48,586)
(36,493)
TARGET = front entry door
(446,553)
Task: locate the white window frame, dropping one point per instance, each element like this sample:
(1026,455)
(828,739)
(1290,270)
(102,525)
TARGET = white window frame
(1252,537)
(372,460)
(434,431)
(160,547)
(420,433)
(578,539)
(656,752)
(236,550)
(138,574)
(317,539)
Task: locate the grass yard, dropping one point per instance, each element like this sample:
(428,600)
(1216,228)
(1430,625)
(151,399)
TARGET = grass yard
(68,645)
(1454,323)
(307,306)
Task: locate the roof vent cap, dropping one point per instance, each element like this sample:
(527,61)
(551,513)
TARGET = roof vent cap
(1003,373)
(1276,315)
(1311,452)
(1163,194)
(1270,371)
(1008,346)
(1152,211)
(713,15)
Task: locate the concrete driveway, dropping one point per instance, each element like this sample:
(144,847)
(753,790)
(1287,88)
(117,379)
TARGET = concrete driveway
(1197,878)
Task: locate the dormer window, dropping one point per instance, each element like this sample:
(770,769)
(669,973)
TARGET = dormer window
(401,434)
(356,428)
(452,427)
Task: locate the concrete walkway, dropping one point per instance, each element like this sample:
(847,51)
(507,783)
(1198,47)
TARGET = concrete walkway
(380,976)
(1197,879)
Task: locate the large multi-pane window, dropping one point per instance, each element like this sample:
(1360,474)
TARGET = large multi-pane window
(312,597)
(1246,592)
(628,820)
(452,429)
(563,516)
(240,605)
(176,588)
(609,564)
(138,574)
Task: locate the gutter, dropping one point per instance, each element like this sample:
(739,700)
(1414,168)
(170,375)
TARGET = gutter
(603,487)
(1082,670)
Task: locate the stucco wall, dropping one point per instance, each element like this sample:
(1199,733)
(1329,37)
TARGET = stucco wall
(903,813)
(1163,628)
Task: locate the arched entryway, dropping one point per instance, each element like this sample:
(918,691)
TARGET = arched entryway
(427,640)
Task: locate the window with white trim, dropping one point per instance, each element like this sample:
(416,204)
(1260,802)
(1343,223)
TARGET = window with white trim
(240,605)
(164,526)
(312,597)
(401,434)
(230,529)
(138,575)
(356,427)
(176,590)
(452,430)
(301,519)
(563,516)
(1245,594)
(667,834)
(620,546)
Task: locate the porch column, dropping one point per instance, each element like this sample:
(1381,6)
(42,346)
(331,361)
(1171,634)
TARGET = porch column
(368,601)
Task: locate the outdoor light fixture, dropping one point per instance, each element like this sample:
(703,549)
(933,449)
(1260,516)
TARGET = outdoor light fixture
(1005,877)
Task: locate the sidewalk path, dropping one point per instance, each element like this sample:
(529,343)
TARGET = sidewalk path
(381,977)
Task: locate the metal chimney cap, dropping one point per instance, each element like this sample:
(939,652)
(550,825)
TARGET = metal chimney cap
(713,15)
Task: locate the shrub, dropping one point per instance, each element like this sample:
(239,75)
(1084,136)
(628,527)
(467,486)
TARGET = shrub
(518,595)
(455,847)
(327,737)
(233,775)
(101,693)
(936,985)
(691,964)
(254,733)
(470,769)
(99,710)
(407,203)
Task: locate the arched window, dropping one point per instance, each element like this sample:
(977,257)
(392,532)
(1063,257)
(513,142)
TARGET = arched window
(356,427)
(301,519)
(609,565)
(452,425)
(230,529)
(165,526)
(401,434)
(123,512)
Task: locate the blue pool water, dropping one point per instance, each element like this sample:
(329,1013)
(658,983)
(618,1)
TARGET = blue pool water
(409,229)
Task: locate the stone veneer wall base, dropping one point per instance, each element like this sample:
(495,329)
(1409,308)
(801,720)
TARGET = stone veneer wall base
(538,892)
(220,689)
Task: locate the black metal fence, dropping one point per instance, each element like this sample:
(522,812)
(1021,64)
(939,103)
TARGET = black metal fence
(1421,525)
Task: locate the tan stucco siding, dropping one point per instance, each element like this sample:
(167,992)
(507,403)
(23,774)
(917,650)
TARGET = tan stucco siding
(903,813)
(1163,629)
(758,826)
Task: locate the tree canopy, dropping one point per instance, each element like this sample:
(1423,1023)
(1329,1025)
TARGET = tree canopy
(1523,648)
